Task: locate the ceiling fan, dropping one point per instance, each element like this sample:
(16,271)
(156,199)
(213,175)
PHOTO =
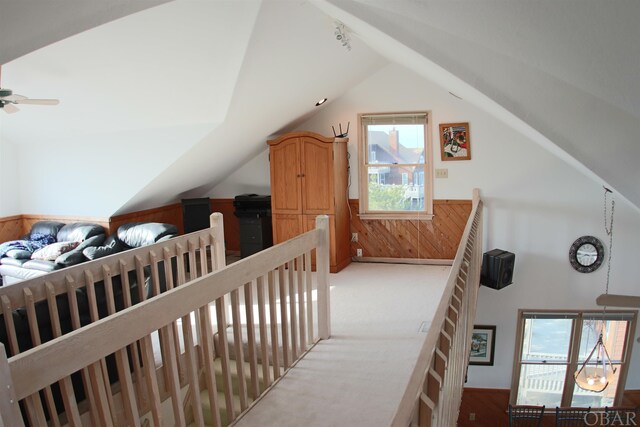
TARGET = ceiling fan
(9,100)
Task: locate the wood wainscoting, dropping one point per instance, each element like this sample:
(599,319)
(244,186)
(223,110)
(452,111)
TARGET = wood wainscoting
(11,228)
(488,407)
(435,239)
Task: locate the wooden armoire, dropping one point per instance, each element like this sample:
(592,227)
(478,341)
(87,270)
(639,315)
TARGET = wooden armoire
(309,177)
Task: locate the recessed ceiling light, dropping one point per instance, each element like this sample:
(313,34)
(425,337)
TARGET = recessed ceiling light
(322,101)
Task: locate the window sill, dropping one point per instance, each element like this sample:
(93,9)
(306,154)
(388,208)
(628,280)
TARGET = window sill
(396,215)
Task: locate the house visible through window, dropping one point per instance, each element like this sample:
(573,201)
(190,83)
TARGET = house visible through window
(394,162)
(552,346)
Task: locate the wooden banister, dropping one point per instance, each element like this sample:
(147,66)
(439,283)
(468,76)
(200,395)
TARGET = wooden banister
(434,391)
(189,348)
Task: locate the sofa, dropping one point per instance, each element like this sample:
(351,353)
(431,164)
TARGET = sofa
(128,236)
(49,246)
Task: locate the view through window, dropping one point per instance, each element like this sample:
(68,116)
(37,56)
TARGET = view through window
(395,163)
(552,346)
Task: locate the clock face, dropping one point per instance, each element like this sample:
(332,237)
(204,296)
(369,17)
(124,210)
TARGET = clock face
(586,254)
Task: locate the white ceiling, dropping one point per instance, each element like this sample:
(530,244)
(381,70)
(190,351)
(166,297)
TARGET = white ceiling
(564,73)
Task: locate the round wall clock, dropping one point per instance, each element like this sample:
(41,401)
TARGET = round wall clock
(586,254)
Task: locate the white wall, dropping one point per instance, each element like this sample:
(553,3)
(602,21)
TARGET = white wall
(9,177)
(252,177)
(535,206)
(91,176)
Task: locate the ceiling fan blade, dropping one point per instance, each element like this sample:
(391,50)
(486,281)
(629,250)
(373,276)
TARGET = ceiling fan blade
(612,300)
(10,108)
(37,101)
(14,97)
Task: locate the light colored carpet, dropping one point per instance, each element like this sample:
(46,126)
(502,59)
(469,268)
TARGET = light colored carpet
(357,377)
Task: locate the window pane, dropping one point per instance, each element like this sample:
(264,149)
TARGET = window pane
(546,340)
(615,334)
(389,192)
(597,400)
(541,385)
(391,144)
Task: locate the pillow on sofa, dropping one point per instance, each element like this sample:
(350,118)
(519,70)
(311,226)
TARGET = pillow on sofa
(111,246)
(53,251)
(18,254)
(76,256)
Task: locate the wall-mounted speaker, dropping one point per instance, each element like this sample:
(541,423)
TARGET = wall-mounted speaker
(497,268)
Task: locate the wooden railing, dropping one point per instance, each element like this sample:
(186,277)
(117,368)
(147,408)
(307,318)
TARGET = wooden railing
(434,392)
(277,283)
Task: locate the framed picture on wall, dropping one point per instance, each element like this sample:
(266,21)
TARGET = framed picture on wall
(483,345)
(454,141)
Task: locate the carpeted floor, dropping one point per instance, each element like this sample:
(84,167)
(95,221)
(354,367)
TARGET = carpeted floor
(357,377)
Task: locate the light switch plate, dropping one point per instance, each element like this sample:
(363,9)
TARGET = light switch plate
(442,173)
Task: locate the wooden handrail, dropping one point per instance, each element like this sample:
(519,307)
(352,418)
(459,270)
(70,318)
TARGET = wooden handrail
(86,347)
(434,391)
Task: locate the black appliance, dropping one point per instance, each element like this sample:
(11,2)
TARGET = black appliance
(254,214)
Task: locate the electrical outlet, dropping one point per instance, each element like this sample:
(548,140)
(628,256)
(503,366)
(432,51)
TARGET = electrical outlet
(359,252)
(354,237)
(442,173)
(472,416)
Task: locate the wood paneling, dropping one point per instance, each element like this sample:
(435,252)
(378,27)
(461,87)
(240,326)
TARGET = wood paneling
(631,398)
(489,407)
(10,228)
(398,238)
(231,223)
(170,214)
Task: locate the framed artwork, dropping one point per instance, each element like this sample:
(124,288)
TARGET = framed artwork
(454,141)
(483,345)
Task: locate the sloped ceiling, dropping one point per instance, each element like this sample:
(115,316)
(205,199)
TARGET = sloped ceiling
(565,73)
(234,73)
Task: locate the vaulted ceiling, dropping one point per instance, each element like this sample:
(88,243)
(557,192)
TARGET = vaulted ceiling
(222,76)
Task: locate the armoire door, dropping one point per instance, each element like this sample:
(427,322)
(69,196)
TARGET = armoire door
(317,177)
(286,174)
(286,226)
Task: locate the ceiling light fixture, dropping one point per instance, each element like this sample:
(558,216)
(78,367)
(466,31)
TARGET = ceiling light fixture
(596,376)
(322,101)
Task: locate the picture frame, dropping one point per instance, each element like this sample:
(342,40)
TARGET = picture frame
(483,345)
(455,143)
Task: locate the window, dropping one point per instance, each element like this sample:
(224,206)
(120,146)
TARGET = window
(395,165)
(550,347)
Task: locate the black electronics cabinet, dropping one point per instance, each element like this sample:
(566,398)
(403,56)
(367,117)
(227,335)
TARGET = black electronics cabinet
(254,213)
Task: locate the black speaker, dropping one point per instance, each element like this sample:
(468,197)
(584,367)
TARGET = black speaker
(497,268)
(195,214)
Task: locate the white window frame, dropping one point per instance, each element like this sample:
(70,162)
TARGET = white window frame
(572,364)
(363,154)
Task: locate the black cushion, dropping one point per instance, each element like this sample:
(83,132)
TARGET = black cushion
(78,232)
(138,234)
(48,228)
(110,246)
(76,256)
